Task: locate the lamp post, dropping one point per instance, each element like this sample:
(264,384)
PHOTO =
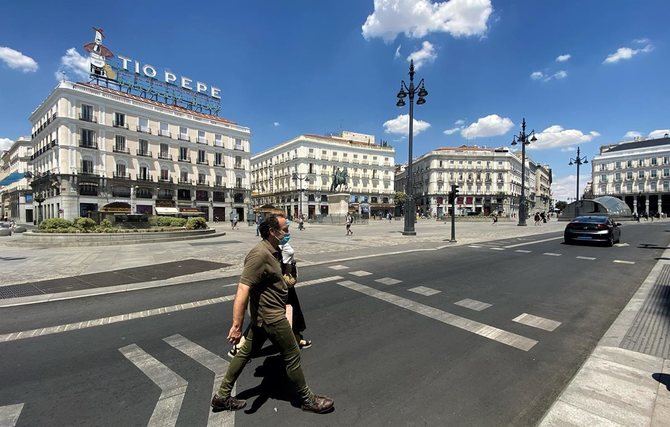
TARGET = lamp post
(39,198)
(522,139)
(578,160)
(300,177)
(421,92)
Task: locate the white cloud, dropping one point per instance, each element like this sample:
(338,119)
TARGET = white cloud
(659,133)
(491,125)
(536,75)
(539,75)
(400,125)
(564,187)
(563,58)
(459,122)
(452,131)
(17,61)
(5,143)
(425,55)
(560,75)
(641,41)
(397,52)
(417,18)
(275,124)
(557,137)
(632,134)
(627,53)
(74,65)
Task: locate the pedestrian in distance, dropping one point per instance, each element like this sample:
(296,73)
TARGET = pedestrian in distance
(543,216)
(258,223)
(537,218)
(301,222)
(495,219)
(349,220)
(390,217)
(263,287)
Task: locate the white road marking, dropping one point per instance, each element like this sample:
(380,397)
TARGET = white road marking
(473,304)
(618,261)
(497,249)
(13,336)
(360,273)
(589,258)
(338,267)
(534,242)
(10,414)
(490,332)
(474,246)
(523,251)
(173,387)
(425,291)
(551,254)
(537,322)
(621,245)
(214,363)
(388,281)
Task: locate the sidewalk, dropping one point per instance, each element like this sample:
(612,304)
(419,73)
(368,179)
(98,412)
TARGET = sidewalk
(626,380)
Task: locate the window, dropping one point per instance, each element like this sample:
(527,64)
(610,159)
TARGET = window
(218,159)
(165,129)
(666,173)
(603,178)
(311,168)
(653,186)
(617,165)
(218,140)
(617,176)
(120,144)
(219,181)
(144,173)
(238,182)
(202,178)
(87,138)
(119,120)
(183,133)
(654,173)
(87,166)
(666,160)
(164,151)
(240,146)
(629,175)
(640,186)
(654,161)
(440,163)
(87,113)
(629,163)
(120,170)
(640,174)
(238,162)
(202,157)
(165,174)
(201,137)
(183,153)
(144,147)
(184,176)
(666,185)
(144,125)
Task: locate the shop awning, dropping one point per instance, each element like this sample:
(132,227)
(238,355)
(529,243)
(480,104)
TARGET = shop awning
(116,207)
(11,178)
(166,211)
(190,212)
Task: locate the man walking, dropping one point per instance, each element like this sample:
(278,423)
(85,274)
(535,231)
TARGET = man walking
(262,285)
(349,220)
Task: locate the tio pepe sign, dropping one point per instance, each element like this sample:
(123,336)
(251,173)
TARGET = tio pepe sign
(184,82)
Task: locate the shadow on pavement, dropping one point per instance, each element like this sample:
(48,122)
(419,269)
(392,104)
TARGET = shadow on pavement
(275,385)
(663,379)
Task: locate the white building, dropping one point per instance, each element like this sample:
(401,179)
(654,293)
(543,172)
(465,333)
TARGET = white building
(297,175)
(637,172)
(93,146)
(489,181)
(15,192)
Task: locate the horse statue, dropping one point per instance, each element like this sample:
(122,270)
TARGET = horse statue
(339,179)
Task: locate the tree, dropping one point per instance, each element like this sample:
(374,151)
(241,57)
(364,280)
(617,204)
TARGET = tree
(400,198)
(561,205)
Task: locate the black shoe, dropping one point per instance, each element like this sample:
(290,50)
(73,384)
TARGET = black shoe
(227,404)
(304,343)
(319,405)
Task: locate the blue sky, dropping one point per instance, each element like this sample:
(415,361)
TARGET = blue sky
(300,66)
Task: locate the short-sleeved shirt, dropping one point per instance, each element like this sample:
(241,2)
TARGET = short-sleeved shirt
(269,293)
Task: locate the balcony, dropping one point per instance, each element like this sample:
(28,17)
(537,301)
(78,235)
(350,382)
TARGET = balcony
(123,150)
(203,182)
(311,156)
(144,178)
(185,181)
(144,129)
(238,166)
(165,156)
(220,165)
(164,132)
(239,147)
(88,118)
(184,137)
(165,179)
(122,125)
(88,174)
(144,153)
(91,145)
(185,159)
(203,162)
(118,175)
(201,140)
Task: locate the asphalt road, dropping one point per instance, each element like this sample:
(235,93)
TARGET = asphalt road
(387,355)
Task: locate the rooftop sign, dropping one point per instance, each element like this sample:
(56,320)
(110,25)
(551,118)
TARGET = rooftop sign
(144,80)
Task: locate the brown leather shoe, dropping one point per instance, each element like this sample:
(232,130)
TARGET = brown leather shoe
(227,404)
(319,405)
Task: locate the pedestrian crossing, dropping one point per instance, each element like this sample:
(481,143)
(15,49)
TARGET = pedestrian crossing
(500,246)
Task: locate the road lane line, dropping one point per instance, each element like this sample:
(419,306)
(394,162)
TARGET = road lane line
(338,267)
(173,387)
(551,254)
(619,261)
(532,243)
(13,336)
(497,249)
(473,304)
(474,246)
(523,251)
(499,335)
(214,363)
(588,258)
(10,414)
(537,322)
(388,281)
(425,291)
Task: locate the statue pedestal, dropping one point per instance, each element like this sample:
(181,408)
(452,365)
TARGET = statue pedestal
(338,206)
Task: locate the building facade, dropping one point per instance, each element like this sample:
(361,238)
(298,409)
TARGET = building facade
(15,192)
(297,175)
(489,181)
(93,146)
(637,172)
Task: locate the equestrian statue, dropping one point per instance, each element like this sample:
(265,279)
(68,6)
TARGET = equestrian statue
(339,180)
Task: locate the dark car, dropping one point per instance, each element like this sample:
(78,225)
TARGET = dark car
(592,229)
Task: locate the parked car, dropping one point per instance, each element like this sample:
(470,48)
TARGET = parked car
(592,229)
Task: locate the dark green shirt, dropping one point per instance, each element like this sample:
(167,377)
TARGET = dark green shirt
(269,293)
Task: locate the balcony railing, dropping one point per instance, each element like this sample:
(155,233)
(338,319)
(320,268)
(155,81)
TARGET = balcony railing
(168,179)
(239,147)
(147,178)
(87,173)
(185,181)
(163,132)
(144,129)
(201,140)
(165,156)
(88,118)
(238,166)
(123,150)
(204,182)
(92,145)
(144,153)
(184,137)
(185,159)
(120,125)
(221,165)
(202,162)
(118,175)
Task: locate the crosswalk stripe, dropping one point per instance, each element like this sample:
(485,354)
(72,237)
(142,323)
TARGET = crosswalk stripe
(474,246)
(537,322)
(551,254)
(490,332)
(10,414)
(173,387)
(425,291)
(338,267)
(214,363)
(497,249)
(388,281)
(473,304)
(588,258)
(523,251)
(618,261)
(360,273)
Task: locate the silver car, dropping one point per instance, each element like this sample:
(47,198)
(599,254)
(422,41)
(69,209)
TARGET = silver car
(592,229)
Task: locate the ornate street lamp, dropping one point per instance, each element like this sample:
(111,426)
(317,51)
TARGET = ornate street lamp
(523,139)
(421,92)
(39,198)
(578,160)
(300,177)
